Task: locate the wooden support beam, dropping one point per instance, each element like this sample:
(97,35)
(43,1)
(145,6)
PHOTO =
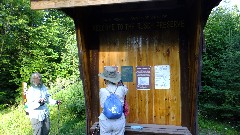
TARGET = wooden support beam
(47,4)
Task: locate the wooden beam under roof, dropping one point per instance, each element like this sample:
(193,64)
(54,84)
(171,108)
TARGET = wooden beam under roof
(48,4)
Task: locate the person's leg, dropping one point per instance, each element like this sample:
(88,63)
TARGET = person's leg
(119,126)
(105,127)
(37,126)
(46,126)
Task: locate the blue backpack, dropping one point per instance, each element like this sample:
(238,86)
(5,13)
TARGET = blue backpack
(113,107)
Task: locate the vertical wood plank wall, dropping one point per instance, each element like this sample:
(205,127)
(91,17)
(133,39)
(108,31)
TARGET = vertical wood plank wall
(146,48)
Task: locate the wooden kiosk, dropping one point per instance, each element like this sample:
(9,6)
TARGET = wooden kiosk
(157,45)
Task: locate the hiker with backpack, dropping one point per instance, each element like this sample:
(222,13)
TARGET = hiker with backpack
(37,98)
(112,120)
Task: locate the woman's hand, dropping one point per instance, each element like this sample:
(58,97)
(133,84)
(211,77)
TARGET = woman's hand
(41,101)
(58,102)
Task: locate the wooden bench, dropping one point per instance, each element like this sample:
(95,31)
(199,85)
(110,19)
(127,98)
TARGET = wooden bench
(150,129)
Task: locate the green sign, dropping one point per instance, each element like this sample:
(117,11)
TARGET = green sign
(127,73)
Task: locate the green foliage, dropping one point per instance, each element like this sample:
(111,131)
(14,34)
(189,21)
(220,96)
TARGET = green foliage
(39,41)
(14,122)
(220,99)
(13,36)
(72,96)
(34,41)
(72,110)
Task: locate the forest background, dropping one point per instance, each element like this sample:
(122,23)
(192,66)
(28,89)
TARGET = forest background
(45,41)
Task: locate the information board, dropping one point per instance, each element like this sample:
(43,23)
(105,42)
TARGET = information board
(162,76)
(143,77)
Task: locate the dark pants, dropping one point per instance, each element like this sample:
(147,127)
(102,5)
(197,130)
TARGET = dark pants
(41,127)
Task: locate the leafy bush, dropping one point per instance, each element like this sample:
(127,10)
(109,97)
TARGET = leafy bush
(71,113)
(72,98)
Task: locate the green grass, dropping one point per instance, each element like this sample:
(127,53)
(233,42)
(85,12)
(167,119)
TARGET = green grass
(211,127)
(14,121)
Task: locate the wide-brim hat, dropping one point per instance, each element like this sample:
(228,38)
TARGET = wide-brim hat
(110,74)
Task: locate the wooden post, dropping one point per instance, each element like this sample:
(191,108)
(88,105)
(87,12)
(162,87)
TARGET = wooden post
(24,92)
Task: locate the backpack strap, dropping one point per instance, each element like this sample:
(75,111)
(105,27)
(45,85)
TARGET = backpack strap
(115,90)
(111,92)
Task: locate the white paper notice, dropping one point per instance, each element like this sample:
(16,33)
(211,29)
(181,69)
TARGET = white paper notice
(162,77)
